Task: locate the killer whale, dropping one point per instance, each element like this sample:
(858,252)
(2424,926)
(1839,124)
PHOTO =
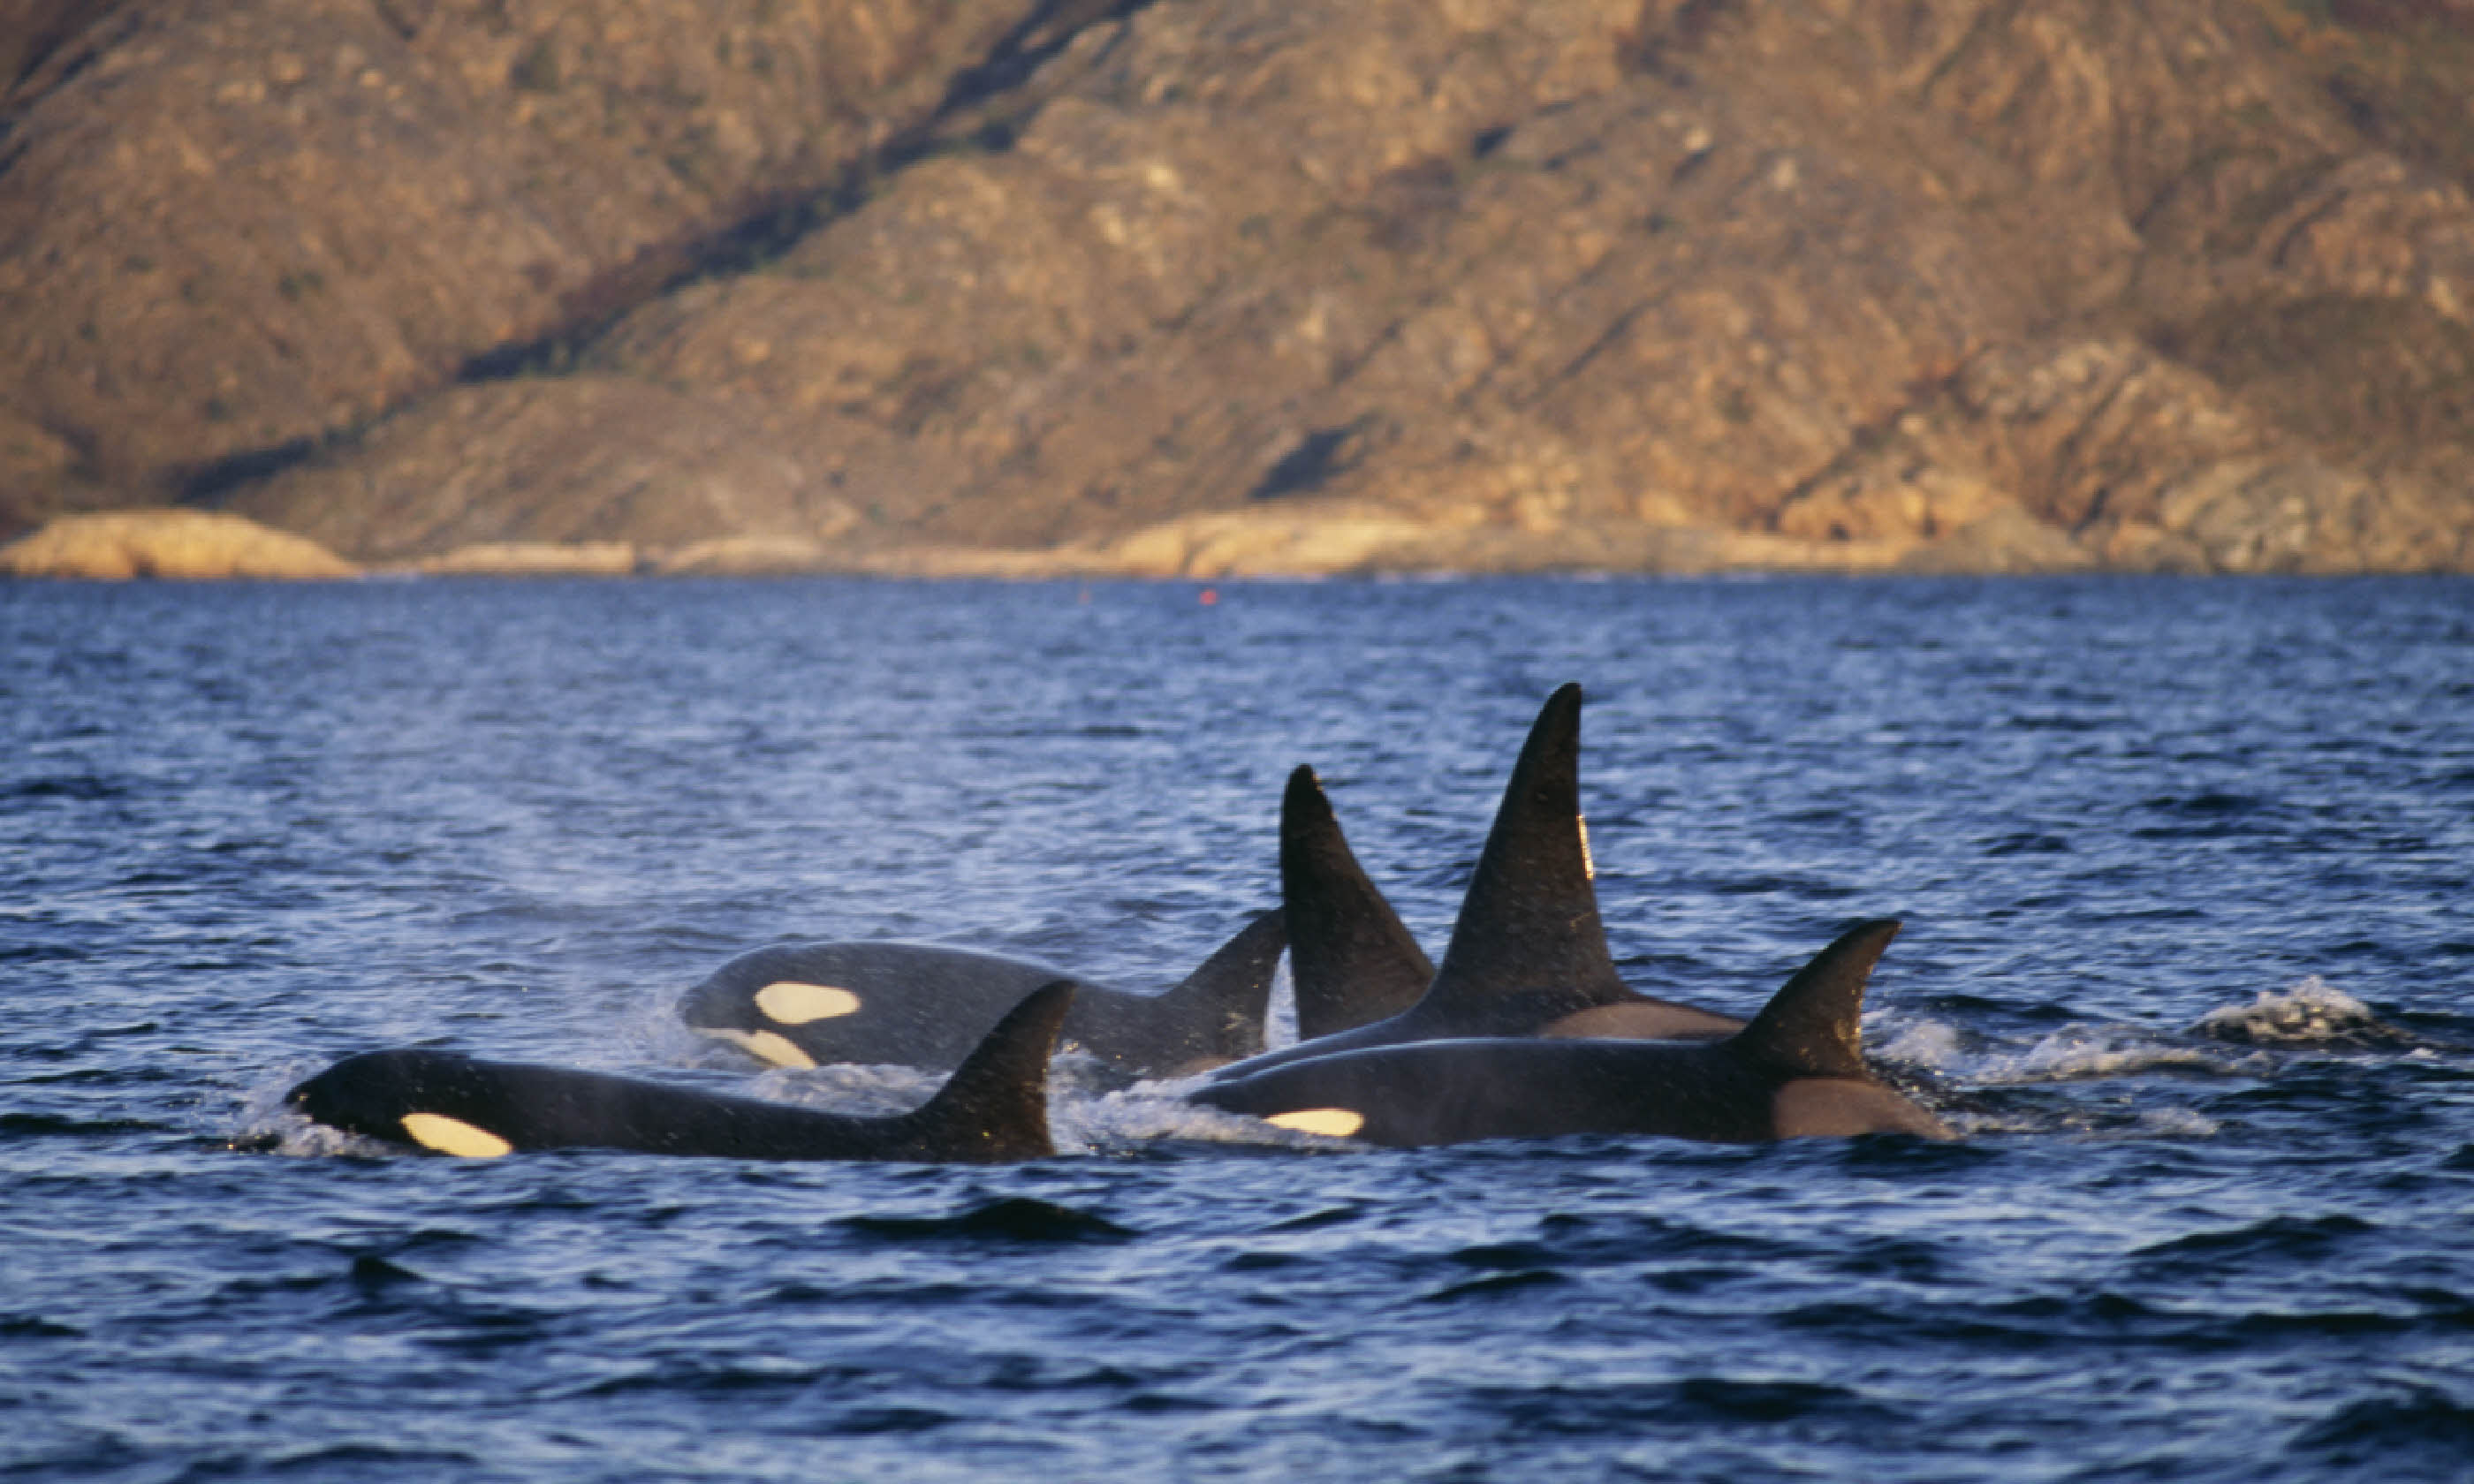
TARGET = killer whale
(1351,960)
(923,1005)
(1528,955)
(994,1109)
(1797,1070)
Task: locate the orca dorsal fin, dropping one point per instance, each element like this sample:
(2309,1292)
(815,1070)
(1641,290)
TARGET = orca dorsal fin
(1229,993)
(1351,959)
(995,1106)
(1530,919)
(1813,1025)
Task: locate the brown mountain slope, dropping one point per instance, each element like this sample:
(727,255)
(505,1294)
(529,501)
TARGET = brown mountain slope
(231,227)
(1232,284)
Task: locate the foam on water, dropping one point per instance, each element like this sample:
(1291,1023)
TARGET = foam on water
(2073,1053)
(1930,1045)
(654,1035)
(846,1088)
(2176,1123)
(282,1130)
(1126,1119)
(2313,1013)
(264,1121)
(1125,1122)
(2310,1015)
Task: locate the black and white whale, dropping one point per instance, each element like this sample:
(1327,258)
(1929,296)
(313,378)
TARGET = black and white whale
(910,1004)
(1528,955)
(994,1109)
(1796,1071)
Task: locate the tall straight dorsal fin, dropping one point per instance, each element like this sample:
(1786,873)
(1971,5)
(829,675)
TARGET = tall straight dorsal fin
(995,1106)
(1813,1025)
(1530,919)
(1351,957)
(1232,990)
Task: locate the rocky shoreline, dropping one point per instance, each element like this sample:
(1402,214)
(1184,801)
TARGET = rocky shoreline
(1210,288)
(186,544)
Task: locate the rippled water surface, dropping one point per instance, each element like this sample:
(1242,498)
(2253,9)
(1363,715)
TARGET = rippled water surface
(2186,868)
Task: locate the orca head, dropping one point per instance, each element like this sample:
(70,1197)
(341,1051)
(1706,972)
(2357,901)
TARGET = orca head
(359,1095)
(405,1096)
(761,1003)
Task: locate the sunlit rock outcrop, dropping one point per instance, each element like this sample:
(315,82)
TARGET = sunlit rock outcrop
(115,545)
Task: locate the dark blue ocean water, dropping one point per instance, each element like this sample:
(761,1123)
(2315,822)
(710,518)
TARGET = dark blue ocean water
(247,829)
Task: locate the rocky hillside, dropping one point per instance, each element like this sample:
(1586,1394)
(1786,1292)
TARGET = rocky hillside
(1229,285)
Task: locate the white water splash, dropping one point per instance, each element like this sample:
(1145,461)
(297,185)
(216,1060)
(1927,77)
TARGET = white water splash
(2073,1053)
(2176,1123)
(2078,1052)
(1930,1045)
(2094,1123)
(1149,1112)
(851,1087)
(266,1122)
(275,1127)
(2312,1012)
(300,1136)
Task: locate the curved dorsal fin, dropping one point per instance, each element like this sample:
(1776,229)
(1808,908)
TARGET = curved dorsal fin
(1530,919)
(1351,957)
(1812,1026)
(1230,991)
(995,1106)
